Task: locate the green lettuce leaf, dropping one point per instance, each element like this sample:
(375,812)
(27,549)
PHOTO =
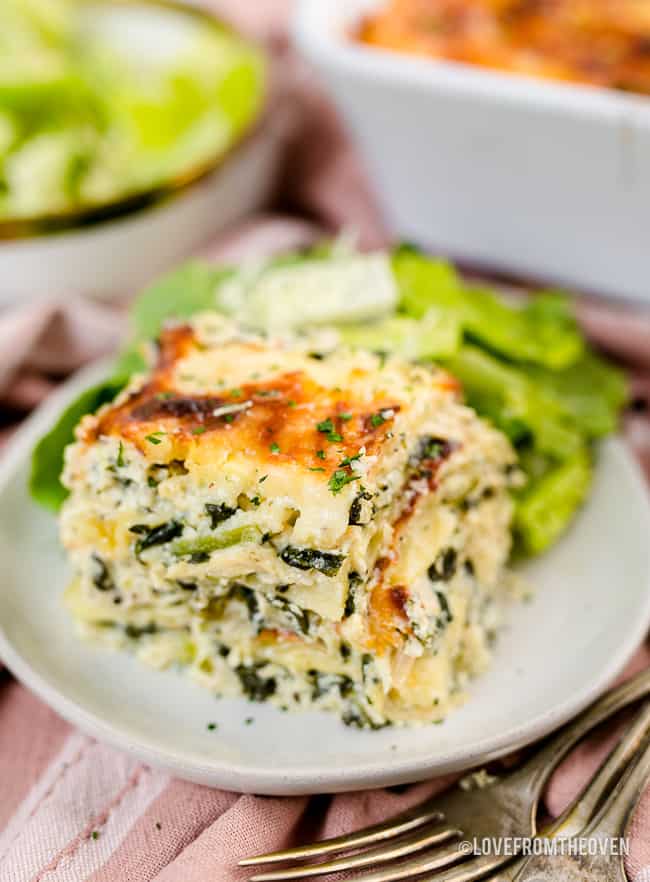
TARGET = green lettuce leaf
(47,458)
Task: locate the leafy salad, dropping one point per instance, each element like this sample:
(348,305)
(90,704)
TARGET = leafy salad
(86,119)
(525,365)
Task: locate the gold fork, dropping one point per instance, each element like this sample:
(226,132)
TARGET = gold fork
(572,823)
(505,808)
(610,825)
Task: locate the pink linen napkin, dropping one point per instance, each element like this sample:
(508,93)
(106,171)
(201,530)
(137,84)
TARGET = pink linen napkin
(72,809)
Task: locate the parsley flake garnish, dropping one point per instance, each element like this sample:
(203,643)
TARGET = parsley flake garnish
(291,403)
(262,479)
(320,454)
(155,437)
(316,469)
(346,417)
(236,393)
(274,448)
(327,428)
(95,834)
(120,456)
(379,418)
(340,478)
(198,430)
(212,726)
(350,459)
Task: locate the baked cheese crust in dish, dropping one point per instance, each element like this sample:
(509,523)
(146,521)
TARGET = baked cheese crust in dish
(294,521)
(594,42)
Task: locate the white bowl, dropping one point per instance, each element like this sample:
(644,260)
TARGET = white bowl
(547,180)
(116,248)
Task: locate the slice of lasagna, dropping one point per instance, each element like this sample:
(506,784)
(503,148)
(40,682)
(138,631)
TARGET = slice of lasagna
(295,521)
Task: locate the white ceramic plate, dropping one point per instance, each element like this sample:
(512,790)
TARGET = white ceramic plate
(590,611)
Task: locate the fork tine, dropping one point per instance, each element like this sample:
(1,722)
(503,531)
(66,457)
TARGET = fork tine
(402,823)
(437,860)
(391,851)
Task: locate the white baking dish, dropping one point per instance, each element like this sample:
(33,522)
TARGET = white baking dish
(547,180)
(114,249)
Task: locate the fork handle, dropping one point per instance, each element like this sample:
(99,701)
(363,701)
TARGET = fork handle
(614,817)
(536,771)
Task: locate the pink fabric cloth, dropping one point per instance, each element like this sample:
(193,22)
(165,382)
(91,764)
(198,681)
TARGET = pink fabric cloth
(73,809)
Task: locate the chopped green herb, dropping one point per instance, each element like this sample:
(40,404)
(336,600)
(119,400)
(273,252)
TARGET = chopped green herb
(328,428)
(362,510)
(157,535)
(354,579)
(164,396)
(447,615)
(212,727)
(444,566)
(95,834)
(320,454)
(262,479)
(102,577)
(323,683)
(299,616)
(350,459)
(377,419)
(358,718)
(254,685)
(340,478)
(236,393)
(134,633)
(155,437)
(187,586)
(198,430)
(346,417)
(228,418)
(249,721)
(291,403)
(316,469)
(434,450)
(120,456)
(312,559)
(218,513)
(274,448)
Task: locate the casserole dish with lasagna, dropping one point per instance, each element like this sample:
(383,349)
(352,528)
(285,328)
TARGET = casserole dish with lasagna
(295,520)
(511,135)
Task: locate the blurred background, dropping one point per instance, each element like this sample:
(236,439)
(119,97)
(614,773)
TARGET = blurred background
(509,135)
